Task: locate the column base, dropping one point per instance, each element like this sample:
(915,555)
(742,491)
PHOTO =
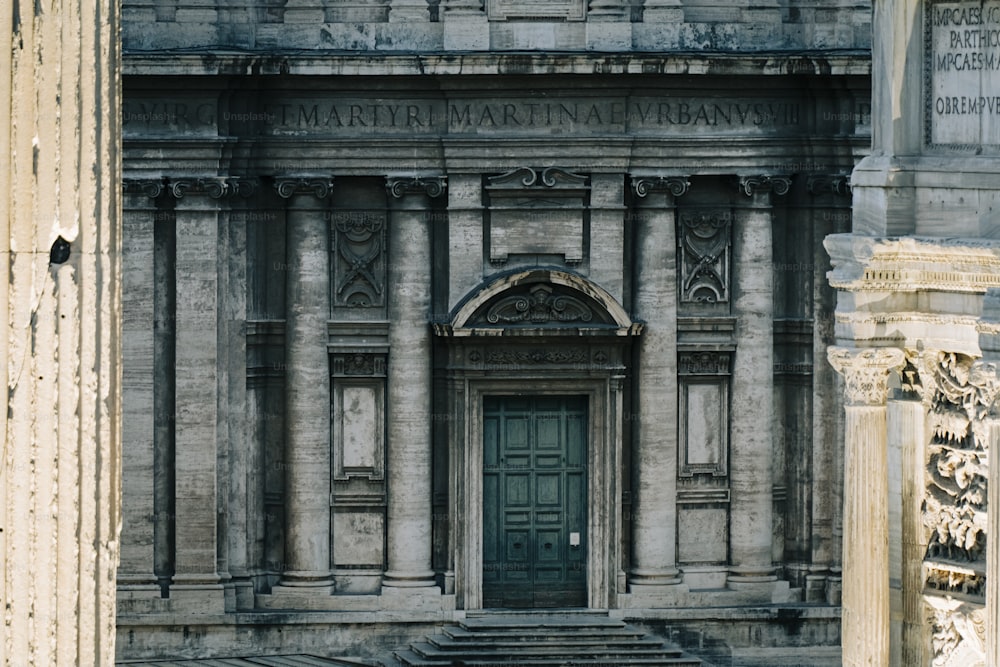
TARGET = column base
(398,579)
(667,576)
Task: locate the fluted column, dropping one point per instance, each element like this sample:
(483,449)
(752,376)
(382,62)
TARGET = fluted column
(409,377)
(752,425)
(865,621)
(60,331)
(307,569)
(654,460)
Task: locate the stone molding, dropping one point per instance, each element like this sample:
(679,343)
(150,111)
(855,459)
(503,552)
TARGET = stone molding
(431,186)
(675,185)
(866,373)
(765,183)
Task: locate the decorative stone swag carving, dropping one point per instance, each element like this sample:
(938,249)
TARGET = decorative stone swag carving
(705,243)
(539,306)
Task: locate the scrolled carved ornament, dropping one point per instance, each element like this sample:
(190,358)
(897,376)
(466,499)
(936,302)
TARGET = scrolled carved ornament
(431,186)
(540,306)
(705,241)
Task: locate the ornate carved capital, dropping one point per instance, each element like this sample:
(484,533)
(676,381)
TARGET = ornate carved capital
(866,373)
(752,185)
(320,187)
(151,187)
(215,187)
(675,185)
(432,186)
(838,184)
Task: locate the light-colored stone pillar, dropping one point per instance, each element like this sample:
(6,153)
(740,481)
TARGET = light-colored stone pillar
(196,586)
(307,569)
(136,571)
(752,429)
(409,377)
(60,332)
(654,459)
(865,621)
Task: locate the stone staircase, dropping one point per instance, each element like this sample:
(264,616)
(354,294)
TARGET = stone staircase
(529,640)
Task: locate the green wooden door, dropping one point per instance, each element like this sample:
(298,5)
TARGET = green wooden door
(534,501)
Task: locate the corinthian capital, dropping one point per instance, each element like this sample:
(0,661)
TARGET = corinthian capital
(866,372)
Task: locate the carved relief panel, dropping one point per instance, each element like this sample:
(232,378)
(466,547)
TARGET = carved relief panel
(705,240)
(358,258)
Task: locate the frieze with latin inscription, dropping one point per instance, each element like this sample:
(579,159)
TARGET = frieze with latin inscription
(355,116)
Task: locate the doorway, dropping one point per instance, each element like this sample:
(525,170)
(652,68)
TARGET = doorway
(535,501)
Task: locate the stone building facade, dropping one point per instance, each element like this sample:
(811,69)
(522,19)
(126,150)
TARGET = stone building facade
(432,308)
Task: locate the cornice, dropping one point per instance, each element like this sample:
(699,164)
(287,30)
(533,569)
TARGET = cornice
(911,264)
(215,62)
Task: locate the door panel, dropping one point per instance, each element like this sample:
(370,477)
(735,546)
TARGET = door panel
(534,501)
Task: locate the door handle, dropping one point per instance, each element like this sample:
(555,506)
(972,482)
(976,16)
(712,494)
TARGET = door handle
(548,545)
(517,545)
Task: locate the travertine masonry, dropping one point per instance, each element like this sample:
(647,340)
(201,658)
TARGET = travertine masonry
(60,333)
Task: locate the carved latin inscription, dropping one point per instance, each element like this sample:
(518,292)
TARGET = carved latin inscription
(962,71)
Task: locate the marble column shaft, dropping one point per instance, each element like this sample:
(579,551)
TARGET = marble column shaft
(307,386)
(751,423)
(654,511)
(865,620)
(409,383)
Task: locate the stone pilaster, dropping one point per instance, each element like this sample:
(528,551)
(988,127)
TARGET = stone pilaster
(136,571)
(307,569)
(752,427)
(196,584)
(865,621)
(409,379)
(654,458)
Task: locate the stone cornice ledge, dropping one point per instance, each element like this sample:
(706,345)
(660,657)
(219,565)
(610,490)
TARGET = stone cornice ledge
(912,264)
(203,62)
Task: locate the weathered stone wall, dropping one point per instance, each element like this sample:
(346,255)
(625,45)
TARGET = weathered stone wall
(485,25)
(60,311)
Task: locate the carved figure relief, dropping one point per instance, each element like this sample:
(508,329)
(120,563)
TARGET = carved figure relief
(358,258)
(705,243)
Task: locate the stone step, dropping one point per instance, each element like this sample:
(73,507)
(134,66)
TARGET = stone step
(543,642)
(623,635)
(429,650)
(408,657)
(531,621)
